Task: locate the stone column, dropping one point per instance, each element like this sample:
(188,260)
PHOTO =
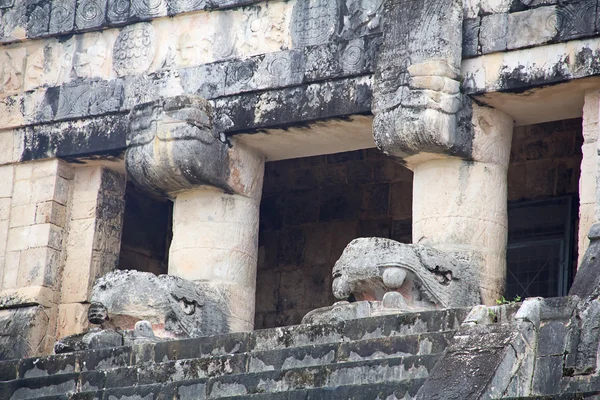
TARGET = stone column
(216,189)
(589,171)
(460,205)
(459,152)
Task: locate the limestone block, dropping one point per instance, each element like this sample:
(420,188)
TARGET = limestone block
(91,58)
(18,239)
(31,295)
(50,212)
(589,173)
(532,27)
(11,70)
(11,270)
(72,319)
(10,112)
(22,192)
(3,239)
(43,65)
(493,33)
(591,107)
(23,332)
(587,217)
(13,22)
(4,208)
(43,235)
(90,14)
(62,16)
(6,177)
(23,171)
(39,267)
(38,18)
(22,215)
(6,147)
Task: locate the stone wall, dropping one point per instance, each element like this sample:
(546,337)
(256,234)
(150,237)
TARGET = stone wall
(311,209)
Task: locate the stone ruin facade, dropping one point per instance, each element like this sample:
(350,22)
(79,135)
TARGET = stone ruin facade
(143,145)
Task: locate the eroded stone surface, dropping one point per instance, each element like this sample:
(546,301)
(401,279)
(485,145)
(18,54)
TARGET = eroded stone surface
(175,307)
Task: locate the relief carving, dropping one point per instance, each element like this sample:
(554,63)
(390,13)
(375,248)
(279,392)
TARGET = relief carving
(88,61)
(6,3)
(44,66)
(576,19)
(39,19)
(149,8)
(73,101)
(134,49)
(364,17)
(90,13)
(189,52)
(11,70)
(117,11)
(314,21)
(353,57)
(62,16)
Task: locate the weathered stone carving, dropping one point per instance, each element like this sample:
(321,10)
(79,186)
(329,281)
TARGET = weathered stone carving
(88,61)
(385,276)
(134,49)
(416,85)
(314,21)
(11,70)
(90,13)
(172,146)
(73,101)
(117,11)
(62,16)
(175,307)
(39,18)
(149,8)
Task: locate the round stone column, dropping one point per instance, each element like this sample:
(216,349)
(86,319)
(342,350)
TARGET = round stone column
(460,206)
(216,189)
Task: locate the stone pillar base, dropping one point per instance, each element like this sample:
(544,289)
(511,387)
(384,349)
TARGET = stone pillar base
(460,207)
(215,244)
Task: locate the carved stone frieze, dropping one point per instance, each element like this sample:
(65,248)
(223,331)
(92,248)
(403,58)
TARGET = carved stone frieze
(38,20)
(62,16)
(148,8)
(134,49)
(11,70)
(90,57)
(117,11)
(314,21)
(90,14)
(74,101)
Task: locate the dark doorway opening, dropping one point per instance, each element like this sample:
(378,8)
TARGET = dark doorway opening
(147,232)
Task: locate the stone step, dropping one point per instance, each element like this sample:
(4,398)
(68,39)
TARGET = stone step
(257,342)
(323,376)
(331,376)
(106,375)
(196,391)
(375,391)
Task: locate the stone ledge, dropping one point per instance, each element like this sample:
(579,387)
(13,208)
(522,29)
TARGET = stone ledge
(28,296)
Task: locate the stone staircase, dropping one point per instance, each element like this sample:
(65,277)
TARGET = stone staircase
(387,357)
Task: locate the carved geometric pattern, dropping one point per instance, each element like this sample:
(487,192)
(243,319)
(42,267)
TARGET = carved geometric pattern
(576,19)
(39,19)
(149,8)
(90,13)
(180,6)
(134,49)
(62,16)
(73,101)
(314,21)
(353,59)
(117,11)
